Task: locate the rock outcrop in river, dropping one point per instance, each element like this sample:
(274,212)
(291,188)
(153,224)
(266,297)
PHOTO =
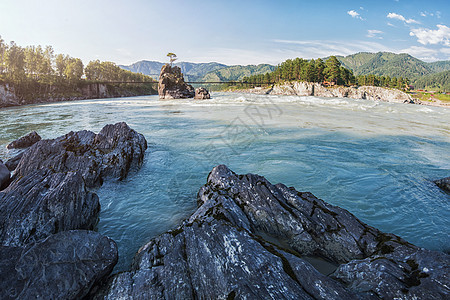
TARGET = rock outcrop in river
(202,93)
(25,141)
(171,84)
(48,198)
(301,88)
(249,239)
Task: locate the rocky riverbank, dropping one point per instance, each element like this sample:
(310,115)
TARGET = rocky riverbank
(300,88)
(9,97)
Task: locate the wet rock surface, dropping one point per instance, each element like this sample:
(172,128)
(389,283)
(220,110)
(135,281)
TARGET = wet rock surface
(223,251)
(63,266)
(443,183)
(110,153)
(25,141)
(43,203)
(171,84)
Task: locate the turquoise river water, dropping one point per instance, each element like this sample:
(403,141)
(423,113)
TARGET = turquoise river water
(374,159)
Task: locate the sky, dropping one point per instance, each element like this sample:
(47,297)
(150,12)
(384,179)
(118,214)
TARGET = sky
(228,31)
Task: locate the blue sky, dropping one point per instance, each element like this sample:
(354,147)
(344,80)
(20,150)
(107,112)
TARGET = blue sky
(228,31)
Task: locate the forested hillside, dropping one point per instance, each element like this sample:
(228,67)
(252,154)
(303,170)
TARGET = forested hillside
(438,81)
(391,64)
(236,73)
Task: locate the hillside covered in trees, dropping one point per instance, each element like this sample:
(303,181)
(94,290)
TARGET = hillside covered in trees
(438,81)
(391,64)
(420,73)
(37,72)
(330,70)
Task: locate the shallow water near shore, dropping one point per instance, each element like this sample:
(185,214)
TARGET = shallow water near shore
(374,159)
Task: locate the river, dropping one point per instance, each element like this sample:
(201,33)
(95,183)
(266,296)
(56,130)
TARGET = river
(374,159)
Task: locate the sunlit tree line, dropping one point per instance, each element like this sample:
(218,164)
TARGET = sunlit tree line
(317,70)
(383,81)
(36,64)
(307,70)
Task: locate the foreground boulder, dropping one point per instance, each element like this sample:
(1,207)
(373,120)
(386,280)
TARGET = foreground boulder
(110,153)
(43,203)
(171,84)
(25,141)
(63,266)
(248,240)
(202,93)
(443,183)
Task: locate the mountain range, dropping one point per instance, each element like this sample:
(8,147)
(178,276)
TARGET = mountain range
(420,73)
(201,71)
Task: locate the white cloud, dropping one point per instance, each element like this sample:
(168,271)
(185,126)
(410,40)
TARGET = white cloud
(354,14)
(422,53)
(322,48)
(390,24)
(445,51)
(374,33)
(432,37)
(401,18)
(419,51)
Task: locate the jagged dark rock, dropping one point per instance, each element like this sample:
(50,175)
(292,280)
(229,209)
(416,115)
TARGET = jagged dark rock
(63,266)
(4,175)
(25,141)
(443,183)
(110,153)
(202,93)
(248,239)
(42,203)
(171,84)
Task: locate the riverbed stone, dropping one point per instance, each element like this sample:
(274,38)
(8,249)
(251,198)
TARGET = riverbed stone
(25,141)
(42,203)
(443,183)
(63,266)
(248,239)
